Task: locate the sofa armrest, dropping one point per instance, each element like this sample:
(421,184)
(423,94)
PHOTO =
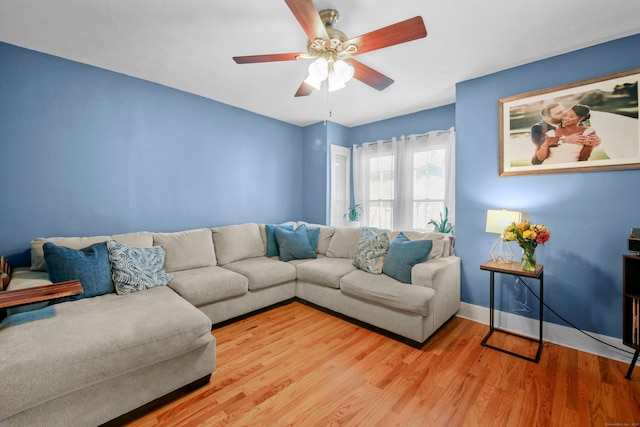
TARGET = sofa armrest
(436,272)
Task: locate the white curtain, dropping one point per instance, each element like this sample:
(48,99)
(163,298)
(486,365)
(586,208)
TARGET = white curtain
(403,150)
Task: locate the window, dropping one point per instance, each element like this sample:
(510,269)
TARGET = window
(404,183)
(381,191)
(428,186)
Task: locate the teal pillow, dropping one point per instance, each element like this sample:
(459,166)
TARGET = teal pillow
(314,235)
(135,269)
(403,254)
(371,250)
(294,244)
(272,244)
(89,265)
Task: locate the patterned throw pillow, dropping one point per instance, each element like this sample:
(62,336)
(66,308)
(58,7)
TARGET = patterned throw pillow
(135,269)
(371,250)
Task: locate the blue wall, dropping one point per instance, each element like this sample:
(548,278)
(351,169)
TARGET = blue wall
(589,214)
(423,121)
(84,151)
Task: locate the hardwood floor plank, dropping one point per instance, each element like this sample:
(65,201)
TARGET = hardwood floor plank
(298,366)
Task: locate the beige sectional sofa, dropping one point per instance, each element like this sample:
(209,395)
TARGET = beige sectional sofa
(89,361)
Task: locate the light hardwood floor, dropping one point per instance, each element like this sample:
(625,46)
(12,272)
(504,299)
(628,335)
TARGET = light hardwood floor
(298,366)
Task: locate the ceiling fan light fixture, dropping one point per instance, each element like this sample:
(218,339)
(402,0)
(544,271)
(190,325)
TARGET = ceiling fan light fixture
(318,71)
(337,73)
(341,74)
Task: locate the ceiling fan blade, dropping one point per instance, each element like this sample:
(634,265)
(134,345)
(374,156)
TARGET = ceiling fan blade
(397,33)
(304,90)
(252,59)
(308,17)
(369,76)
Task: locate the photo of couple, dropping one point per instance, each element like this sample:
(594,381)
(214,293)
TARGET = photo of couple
(585,126)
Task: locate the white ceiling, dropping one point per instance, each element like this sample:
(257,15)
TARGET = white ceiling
(189,45)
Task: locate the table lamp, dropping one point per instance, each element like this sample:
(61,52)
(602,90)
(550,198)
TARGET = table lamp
(497,221)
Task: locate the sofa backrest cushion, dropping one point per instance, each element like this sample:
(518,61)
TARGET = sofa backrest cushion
(188,249)
(138,239)
(37,253)
(440,245)
(326,234)
(237,242)
(344,242)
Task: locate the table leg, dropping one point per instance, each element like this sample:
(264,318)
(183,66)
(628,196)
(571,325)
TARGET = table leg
(632,365)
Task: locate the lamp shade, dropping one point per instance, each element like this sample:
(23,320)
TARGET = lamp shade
(499,219)
(341,74)
(318,71)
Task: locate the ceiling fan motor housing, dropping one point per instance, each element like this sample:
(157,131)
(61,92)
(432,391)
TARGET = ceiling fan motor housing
(334,48)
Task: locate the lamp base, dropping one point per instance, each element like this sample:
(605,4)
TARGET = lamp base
(501,251)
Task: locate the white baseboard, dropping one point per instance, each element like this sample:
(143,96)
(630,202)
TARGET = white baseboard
(557,334)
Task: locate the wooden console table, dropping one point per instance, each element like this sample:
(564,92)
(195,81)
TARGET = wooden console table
(39,293)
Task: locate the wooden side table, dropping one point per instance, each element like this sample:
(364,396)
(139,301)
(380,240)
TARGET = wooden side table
(514,269)
(39,293)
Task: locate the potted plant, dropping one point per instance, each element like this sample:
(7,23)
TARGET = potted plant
(353,215)
(443,226)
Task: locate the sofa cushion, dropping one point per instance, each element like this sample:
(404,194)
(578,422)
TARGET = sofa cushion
(186,249)
(237,242)
(325,271)
(136,239)
(384,290)
(371,250)
(263,272)
(324,238)
(89,265)
(295,244)
(135,269)
(343,243)
(206,285)
(403,254)
(91,340)
(37,253)
(440,241)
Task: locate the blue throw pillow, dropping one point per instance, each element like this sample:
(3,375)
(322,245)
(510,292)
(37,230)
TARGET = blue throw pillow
(272,244)
(314,235)
(294,244)
(89,265)
(403,254)
(135,269)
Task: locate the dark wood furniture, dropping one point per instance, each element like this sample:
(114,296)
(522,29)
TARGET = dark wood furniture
(514,269)
(631,298)
(39,293)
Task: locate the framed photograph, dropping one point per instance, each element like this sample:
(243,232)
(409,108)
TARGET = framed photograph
(587,126)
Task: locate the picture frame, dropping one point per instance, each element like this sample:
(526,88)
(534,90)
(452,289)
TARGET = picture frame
(613,126)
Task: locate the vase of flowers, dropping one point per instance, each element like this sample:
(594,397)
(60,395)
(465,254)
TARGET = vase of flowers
(528,236)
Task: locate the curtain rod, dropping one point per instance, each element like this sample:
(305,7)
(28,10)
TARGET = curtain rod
(418,136)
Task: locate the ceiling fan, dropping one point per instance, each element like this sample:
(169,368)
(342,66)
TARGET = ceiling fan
(333,51)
